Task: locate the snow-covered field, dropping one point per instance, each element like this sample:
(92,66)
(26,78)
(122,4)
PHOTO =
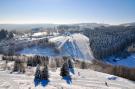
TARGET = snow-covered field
(36,50)
(128,62)
(87,79)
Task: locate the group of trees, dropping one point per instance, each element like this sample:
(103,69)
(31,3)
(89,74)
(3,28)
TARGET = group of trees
(67,65)
(106,41)
(21,63)
(19,66)
(35,60)
(41,74)
(52,62)
(29,60)
(5,34)
(68,28)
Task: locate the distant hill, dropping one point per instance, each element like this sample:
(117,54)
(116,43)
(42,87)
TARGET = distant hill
(128,24)
(66,27)
(92,25)
(25,26)
(44,26)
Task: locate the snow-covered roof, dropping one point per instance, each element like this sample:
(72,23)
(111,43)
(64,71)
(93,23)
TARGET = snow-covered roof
(39,34)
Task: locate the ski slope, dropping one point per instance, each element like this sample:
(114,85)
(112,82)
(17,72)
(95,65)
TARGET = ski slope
(88,79)
(82,42)
(77,45)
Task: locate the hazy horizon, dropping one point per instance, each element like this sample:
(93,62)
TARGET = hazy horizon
(112,12)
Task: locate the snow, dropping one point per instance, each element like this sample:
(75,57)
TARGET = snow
(128,62)
(82,42)
(58,38)
(39,34)
(88,79)
(75,45)
(46,51)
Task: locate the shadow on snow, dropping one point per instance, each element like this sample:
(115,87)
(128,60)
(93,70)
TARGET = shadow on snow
(43,82)
(68,79)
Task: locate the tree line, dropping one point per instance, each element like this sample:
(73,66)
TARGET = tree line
(21,62)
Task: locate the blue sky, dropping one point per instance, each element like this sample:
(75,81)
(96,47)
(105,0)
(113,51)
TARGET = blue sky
(67,11)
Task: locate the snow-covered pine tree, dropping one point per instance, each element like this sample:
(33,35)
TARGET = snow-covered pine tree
(44,73)
(38,73)
(70,63)
(64,70)
(71,66)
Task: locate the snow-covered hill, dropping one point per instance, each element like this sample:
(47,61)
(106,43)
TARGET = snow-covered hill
(74,45)
(88,79)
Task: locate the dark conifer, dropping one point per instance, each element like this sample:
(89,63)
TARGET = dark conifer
(38,73)
(71,66)
(44,73)
(70,63)
(64,70)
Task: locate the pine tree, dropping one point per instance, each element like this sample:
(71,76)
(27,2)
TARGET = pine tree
(44,73)
(70,64)
(38,73)
(64,70)
(10,35)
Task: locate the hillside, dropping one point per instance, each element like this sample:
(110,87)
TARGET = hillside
(88,79)
(74,45)
(128,24)
(112,40)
